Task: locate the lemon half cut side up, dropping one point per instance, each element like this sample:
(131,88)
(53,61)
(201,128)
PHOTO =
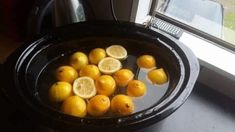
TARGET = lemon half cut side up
(109,65)
(84,87)
(117,52)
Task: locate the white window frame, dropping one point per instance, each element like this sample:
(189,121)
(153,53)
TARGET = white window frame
(217,64)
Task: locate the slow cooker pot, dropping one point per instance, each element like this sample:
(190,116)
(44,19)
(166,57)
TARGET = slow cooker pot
(25,70)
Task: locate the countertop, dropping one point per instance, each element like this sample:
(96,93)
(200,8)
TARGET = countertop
(204,111)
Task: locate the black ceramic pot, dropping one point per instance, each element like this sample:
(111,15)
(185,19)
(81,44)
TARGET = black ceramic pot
(27,72)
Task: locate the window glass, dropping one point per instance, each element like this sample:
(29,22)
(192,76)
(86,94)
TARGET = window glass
(216,17)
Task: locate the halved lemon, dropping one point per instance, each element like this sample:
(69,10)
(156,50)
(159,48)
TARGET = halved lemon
(158,76)
(122,105)
(105,85)
(117,52)
(123,77)
(78,60)
(75,106)
(136,88)
(59,91)
(109,65)
(98,105)
(146,61)
(90,71)
(66,73)
(84,87)
(96,55)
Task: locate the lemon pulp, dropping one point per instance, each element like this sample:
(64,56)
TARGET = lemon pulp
(84,87)
(109,65)
(117,52)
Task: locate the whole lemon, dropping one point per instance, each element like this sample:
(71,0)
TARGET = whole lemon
(122,105)
(75,106)
(123,76)
(157,76)
(146,61)
(78,60)
(96,55)
(98,105)
(59,91)
(66,73)
(105,85)
(90,71)
(136,88)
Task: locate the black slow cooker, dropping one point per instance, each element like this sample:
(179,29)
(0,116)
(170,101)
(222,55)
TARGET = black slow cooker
(24,69)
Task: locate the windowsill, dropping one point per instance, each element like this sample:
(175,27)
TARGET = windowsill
(217,65)
(210,54)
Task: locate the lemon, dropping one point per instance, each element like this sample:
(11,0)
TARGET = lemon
(98,105)
(78,60)
(136,88)
(59,91)
(123,76)
(109,65)
(96,55)
(157,76)
(84,87)
(105,85)
(122,105)
(90,71)
(146,61)
(66,73)
(74,106)
(117,52)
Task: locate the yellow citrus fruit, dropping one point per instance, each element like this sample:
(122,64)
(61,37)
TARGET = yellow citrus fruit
(90,71)
(117,52)
(66,73)
(105,85)
(96,55)
(122,105)
(109,65)
(157,76)
(59,91)
(98,105)
(146,61)
(84,87)
(75,106)
(123,76)
(78,60)
(136,88)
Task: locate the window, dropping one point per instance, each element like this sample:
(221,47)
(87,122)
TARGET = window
(213,17)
